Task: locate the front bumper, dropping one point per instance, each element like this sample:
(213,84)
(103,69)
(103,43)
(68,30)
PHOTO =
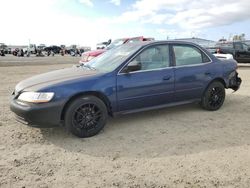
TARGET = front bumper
(42,115)
(235,82)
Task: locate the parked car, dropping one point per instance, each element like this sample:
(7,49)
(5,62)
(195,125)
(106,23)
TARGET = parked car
(3,49)
(87,56)
(130,78)
(31,49)
(2,52)
(8,50)
(41,46)
(239,50)
(15,51)
(55,49)
(219,55)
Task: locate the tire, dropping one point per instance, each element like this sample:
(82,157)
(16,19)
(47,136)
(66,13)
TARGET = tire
(214,96)
(86,116)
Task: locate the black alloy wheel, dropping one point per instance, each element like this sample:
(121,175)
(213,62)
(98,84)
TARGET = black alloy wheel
(214,96)
(86,116)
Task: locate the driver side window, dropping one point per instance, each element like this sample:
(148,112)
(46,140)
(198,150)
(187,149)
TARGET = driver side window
(155,57)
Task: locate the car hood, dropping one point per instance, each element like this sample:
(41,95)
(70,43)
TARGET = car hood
(54,77)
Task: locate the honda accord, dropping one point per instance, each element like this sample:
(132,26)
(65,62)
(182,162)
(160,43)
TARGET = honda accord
(130,78)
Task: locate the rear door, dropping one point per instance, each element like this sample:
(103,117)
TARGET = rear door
(193,71)
(150,86)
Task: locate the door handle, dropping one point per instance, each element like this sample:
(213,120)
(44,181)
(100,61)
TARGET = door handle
(207,73)
(166,77)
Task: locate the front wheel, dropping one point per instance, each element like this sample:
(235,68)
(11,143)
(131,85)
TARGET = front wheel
(214,96)
(86,116)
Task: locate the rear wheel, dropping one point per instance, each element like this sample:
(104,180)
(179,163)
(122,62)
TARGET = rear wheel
(214,96)
(86,116)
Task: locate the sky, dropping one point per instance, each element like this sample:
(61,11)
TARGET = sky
(87,22)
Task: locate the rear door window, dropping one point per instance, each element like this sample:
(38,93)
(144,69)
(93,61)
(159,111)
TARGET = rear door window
(188,55)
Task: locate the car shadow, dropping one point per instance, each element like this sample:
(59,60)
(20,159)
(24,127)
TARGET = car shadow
(177,130)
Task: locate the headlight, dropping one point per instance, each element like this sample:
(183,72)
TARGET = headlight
(84,57)
(36,97)
(91,57)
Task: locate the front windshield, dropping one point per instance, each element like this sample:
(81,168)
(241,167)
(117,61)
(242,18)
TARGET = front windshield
(113,58)
(116,42)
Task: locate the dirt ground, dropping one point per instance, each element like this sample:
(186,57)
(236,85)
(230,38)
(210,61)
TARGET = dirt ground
(182,146)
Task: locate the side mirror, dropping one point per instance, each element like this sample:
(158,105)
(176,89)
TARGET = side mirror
(132,66)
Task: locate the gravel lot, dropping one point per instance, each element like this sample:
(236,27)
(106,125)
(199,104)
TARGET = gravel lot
(182,146)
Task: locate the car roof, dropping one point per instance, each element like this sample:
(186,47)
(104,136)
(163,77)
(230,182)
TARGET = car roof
(160,42)
(146,43)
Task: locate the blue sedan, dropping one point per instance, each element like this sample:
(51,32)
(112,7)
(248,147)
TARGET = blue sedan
(130,78)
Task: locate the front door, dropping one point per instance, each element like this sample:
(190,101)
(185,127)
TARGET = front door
(151,85)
